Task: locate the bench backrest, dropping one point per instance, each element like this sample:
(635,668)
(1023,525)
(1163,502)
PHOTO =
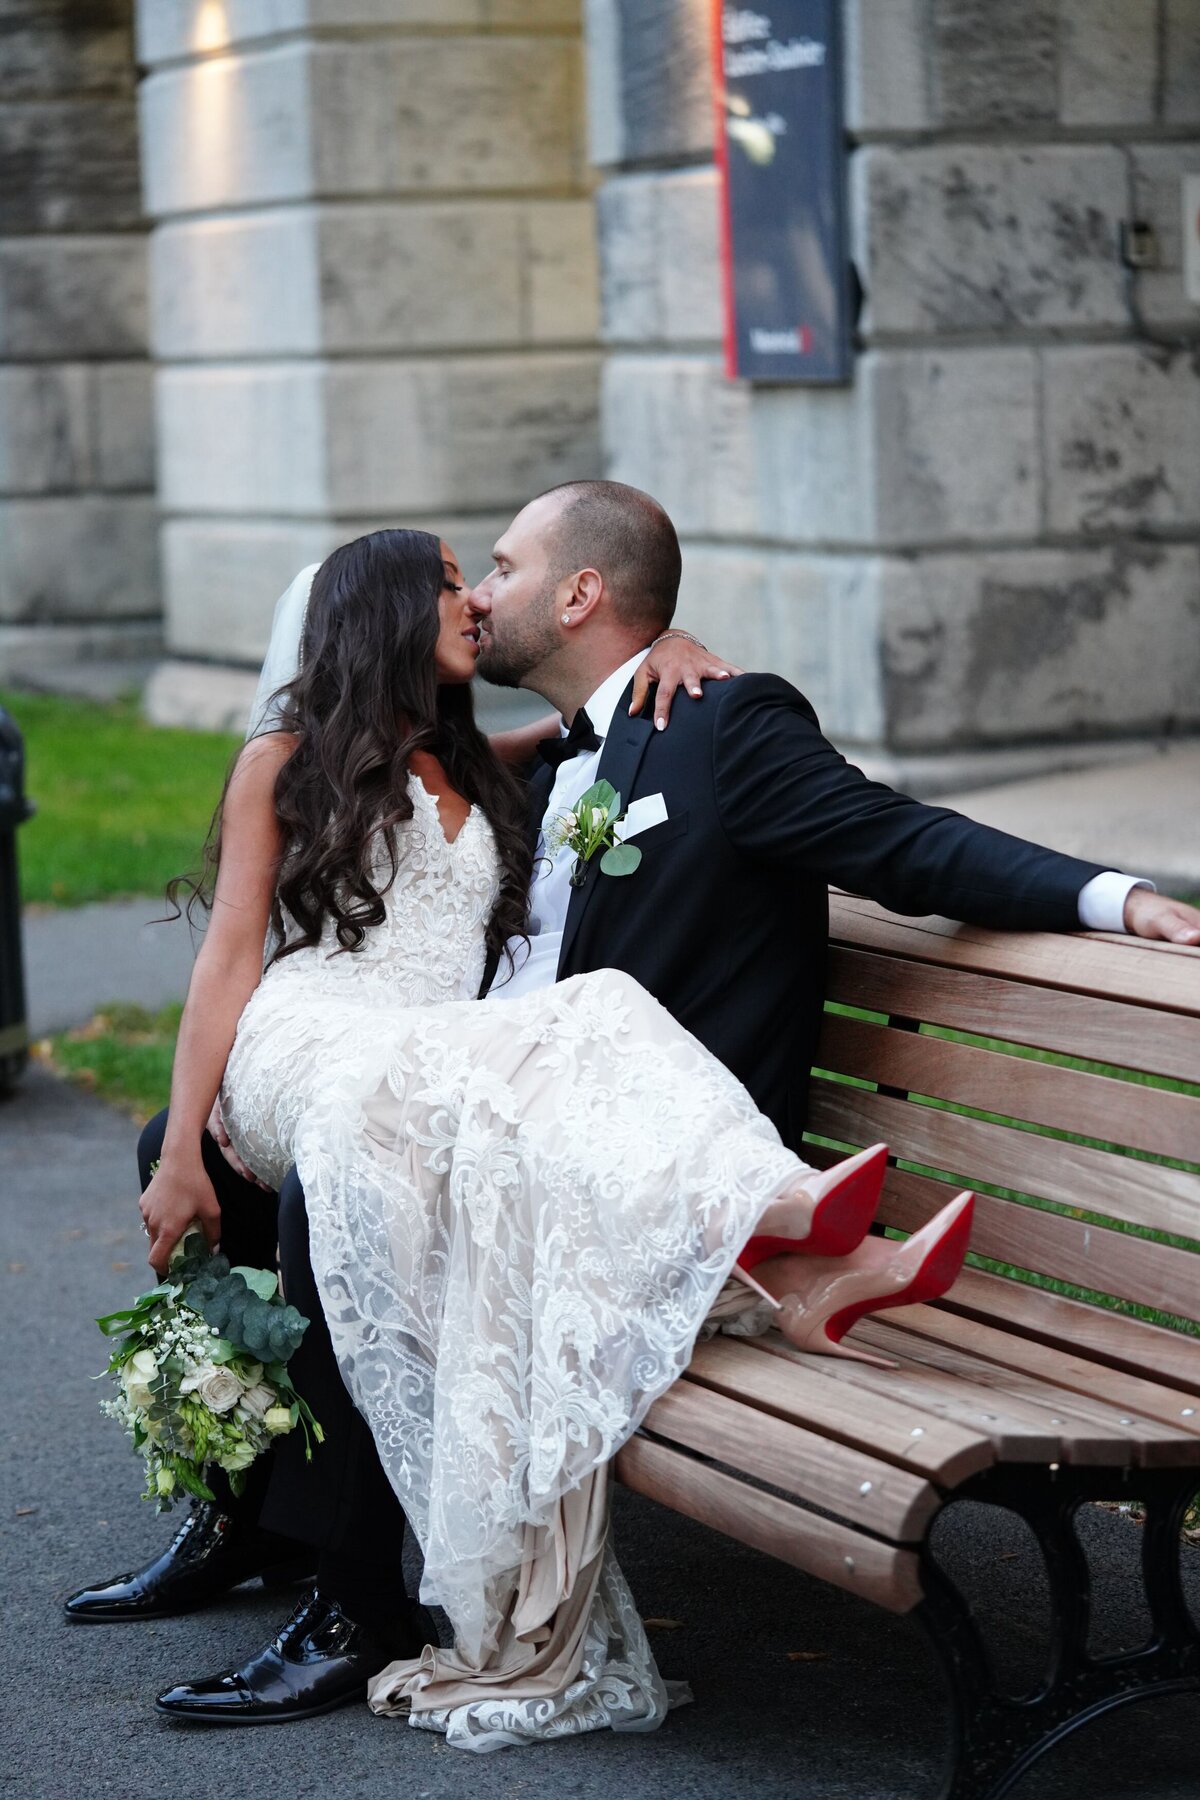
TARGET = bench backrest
(1077,1212)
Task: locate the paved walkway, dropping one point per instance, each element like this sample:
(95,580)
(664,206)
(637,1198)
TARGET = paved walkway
(860,1717)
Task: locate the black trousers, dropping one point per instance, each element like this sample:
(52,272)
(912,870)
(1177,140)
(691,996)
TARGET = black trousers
(341,1501)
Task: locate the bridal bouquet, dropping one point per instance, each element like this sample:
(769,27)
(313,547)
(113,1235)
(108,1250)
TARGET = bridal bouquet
(201,1372)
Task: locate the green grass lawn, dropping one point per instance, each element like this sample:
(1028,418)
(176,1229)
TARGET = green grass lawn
(121,805)
(124,1055)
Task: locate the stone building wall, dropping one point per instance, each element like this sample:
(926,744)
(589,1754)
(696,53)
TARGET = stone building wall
(374,291)
(992,537)
(78,535)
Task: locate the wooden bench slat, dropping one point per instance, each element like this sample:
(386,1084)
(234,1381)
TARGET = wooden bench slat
(1072,1174)
(945,1452)
(1120,1112)
(1145,973)
(1130,1394)
(1131,1345)
(1107,1031)
(1155,1445)
(847,1483)
(1020,1430)
(883,1573)
(1088,1256)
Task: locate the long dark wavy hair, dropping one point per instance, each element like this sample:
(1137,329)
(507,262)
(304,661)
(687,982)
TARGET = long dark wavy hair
(366,697)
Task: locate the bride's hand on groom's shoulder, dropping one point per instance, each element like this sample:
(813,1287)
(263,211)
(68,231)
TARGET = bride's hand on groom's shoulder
(1152,915)
(177,1194)
(674,662)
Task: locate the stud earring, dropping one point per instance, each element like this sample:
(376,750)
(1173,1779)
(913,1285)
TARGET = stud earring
(566,618)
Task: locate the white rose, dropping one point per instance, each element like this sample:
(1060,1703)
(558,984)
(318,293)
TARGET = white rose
(240,1457)
(219,1388)
(258,1400)
(277,1420)
(136,1377)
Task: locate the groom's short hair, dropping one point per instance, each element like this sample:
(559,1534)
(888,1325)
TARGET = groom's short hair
(625,536)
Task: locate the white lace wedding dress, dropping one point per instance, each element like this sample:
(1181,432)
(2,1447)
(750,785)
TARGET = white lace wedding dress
(521,1212)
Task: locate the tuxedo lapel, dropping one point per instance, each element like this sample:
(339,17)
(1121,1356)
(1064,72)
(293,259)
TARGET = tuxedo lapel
(620,760)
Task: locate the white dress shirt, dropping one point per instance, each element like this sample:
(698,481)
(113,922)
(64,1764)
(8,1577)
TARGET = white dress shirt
(1101,900)
(550,895)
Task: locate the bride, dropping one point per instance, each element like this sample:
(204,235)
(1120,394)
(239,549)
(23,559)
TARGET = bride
(522,1210)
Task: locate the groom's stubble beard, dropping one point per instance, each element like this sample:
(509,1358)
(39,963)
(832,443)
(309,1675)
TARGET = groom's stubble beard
(514,655)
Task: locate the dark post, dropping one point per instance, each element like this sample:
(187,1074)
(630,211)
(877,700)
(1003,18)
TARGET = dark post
(14,810)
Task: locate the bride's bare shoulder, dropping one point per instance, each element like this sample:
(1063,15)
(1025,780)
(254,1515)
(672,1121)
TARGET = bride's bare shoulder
(258,764)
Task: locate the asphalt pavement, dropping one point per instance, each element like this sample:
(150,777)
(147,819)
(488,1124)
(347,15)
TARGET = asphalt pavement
(858,1715)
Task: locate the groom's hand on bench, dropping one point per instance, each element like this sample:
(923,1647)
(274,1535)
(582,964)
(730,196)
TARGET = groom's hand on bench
(1152,915)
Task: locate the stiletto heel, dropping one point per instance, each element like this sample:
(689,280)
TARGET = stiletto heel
(837,1207)
(878,1275)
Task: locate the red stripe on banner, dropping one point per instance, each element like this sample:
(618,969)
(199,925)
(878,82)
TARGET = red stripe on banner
(722,160)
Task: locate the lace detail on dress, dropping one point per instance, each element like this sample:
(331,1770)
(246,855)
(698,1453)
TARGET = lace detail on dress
(521,1212)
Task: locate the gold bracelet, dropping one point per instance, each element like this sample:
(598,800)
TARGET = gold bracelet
(677,632)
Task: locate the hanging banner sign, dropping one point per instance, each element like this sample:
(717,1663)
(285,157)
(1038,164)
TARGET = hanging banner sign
(780,156)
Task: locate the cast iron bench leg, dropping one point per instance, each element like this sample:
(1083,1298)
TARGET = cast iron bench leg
(996,1738)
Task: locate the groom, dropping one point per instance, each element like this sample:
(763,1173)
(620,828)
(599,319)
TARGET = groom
(749,813)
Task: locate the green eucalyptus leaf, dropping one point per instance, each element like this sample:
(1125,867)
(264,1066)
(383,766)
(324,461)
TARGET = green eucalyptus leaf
(262,1282)
(622,859)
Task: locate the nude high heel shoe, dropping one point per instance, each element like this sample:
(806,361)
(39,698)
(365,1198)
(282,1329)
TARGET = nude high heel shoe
(878,1274)
(832,1211)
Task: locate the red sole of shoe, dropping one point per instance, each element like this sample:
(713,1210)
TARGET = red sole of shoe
(839,1223)
(936,1275)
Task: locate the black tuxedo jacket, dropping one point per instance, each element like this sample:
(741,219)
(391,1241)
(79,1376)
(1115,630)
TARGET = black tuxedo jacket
(726,919)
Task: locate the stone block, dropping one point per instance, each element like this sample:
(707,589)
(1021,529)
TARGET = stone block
(38,656)
(414,275)
(987,238)
(626,219)
(1108,61)
(561,274)
(456,274)
(1042,643)
(41,61)
(199,696)
(1122,438)
(86,557)
(245,285)
(72,296)
(886,83)
(956,452)
(660,272)
(381,113)
(815,470)
(1181,62)
(235,130)
(484,432)
(690,275)
(242,439)
(123,426)
(222,577)
(361,117)
(666,80)
(994,62)
(68,165)
(180,28)
(44,429)
(1158,172)
(674,426)
(602,61)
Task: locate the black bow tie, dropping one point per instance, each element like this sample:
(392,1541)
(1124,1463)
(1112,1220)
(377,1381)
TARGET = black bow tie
(581,737)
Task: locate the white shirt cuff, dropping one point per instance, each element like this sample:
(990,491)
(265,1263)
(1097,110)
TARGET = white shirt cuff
(1102,900)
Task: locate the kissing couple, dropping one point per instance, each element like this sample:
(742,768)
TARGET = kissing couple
(520,1126)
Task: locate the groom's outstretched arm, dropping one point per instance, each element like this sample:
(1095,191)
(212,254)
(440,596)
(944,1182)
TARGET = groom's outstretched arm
(789,799)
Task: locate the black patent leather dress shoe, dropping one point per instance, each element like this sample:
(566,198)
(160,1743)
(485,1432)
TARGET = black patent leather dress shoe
(209,1554)
(320,1660)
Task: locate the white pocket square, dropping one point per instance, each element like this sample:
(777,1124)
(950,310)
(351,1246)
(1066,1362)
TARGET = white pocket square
(641,815)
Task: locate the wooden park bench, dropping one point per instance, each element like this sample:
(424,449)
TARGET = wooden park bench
(1007,1391)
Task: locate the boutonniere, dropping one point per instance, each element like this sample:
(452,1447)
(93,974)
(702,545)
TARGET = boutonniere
(593,825)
